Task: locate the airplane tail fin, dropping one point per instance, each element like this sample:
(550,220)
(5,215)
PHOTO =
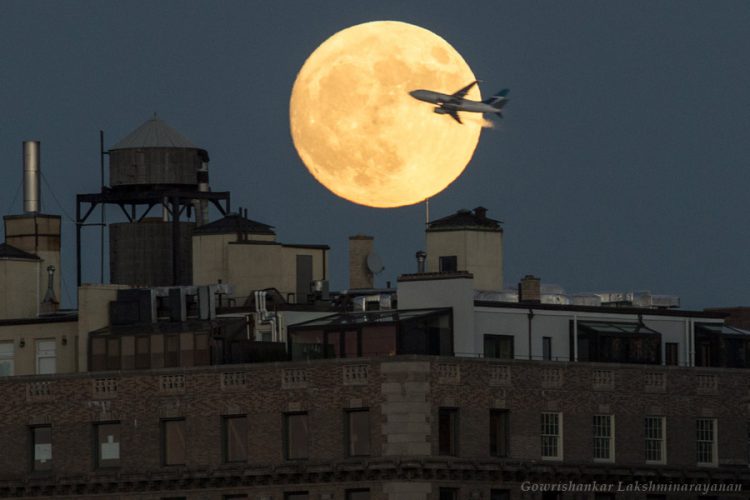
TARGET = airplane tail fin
(498,100)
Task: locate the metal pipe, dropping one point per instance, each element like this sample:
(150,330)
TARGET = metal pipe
(575,337)
(78,243)
(176,270)
(531,317)
(103,208)
(31,187)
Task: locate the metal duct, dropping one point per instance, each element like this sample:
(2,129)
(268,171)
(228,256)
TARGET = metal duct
(31,182)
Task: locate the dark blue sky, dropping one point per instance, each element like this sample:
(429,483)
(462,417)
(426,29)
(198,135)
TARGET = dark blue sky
(621,164)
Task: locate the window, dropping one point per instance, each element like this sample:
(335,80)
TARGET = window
(499,427)
(202,354)
(296,436)
(498,346)
(358,494)
(448,431)
(499,494)
(748,442)
(552,436)
(448,493)
(142,352)
(656,444)
(113,353)
(671,353)
(173,441)
(706,441)
(172,351)
(41,448)
(547,348)
(358,432)
(448,264)
(296,495)
(7,355)
(604,438)
(234,497)
(234,437)
(46,358)
(107,444)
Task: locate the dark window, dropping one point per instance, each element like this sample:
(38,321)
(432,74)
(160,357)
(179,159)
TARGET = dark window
(202,355)
(296,436)
(448,264)
(142,352)
(547,348)
(234,430)
(172,351)
(41,448)
(671,356)
(550,495)
(499,427)
(748,441)
(498,346)
(173,441)
(448,493)
(448,431)
(703,354)
(296,495)
(113,353)
(358,432)
(98,354)
(107,444)
(604,496)
(358,494)
(234,497)
(304,277)
(499,494)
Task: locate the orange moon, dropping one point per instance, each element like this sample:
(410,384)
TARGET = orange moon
(360,133)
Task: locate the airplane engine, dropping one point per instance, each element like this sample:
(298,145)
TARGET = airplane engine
(440,111)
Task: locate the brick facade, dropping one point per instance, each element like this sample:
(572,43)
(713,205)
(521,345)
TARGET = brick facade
(404,395)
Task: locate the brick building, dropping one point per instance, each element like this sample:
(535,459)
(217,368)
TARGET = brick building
(407,427)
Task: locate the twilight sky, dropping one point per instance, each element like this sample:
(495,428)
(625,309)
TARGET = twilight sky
(621,164)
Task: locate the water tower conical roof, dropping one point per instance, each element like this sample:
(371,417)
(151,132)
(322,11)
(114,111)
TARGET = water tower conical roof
(154,133)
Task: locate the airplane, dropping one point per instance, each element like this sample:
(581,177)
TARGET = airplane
(451,104)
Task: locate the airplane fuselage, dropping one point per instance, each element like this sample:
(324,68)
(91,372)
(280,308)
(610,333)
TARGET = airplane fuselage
(450,103)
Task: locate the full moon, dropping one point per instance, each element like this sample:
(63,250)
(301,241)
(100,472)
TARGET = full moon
(360,133)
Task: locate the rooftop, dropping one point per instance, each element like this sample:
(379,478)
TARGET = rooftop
(234,223)
(11,252)
(466,219)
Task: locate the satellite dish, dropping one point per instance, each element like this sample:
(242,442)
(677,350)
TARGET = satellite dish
(374,263)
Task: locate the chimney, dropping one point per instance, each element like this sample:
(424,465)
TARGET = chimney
(360,276)
(529,290)
(421,258)
(31,173)
(481,213)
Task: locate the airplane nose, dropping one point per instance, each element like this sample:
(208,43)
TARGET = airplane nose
(413,93)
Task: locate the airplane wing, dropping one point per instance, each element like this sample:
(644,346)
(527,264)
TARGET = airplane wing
(462,93)
(454,115)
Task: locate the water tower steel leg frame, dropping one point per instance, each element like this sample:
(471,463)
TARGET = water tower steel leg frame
(176,199)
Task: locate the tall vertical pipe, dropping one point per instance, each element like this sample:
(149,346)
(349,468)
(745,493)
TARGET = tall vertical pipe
(31,187)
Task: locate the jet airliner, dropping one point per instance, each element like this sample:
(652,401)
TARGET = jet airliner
(451,104)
